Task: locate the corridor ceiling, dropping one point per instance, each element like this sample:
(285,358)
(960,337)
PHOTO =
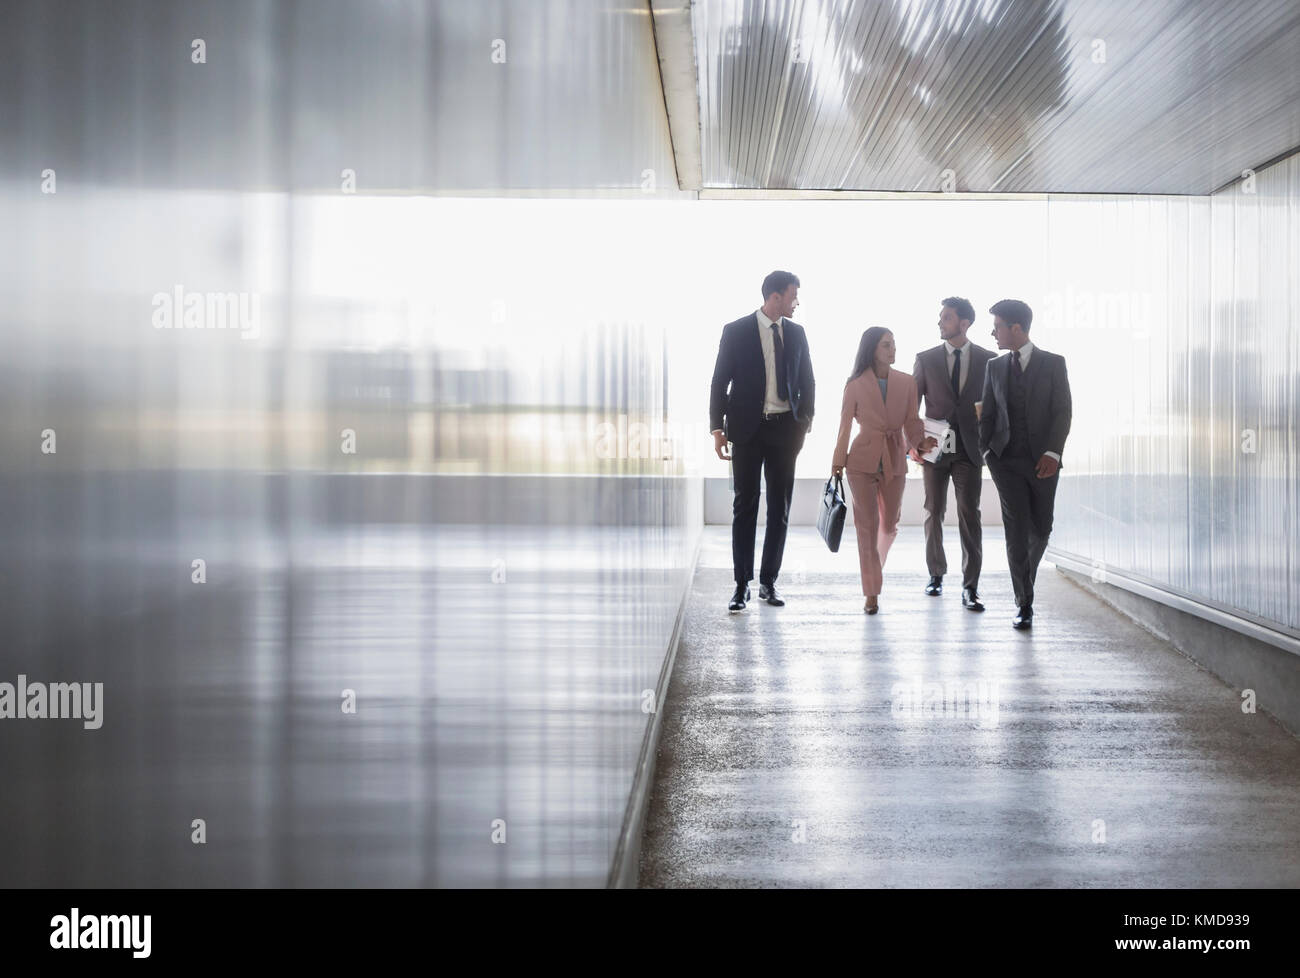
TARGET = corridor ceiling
(1002,96)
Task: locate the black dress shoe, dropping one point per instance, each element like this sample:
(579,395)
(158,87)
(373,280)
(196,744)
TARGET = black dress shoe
(767,592)
(935,587)
(739,598)
(1025,619)
(971,600)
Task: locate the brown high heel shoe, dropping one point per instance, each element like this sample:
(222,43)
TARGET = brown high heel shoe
(871,606)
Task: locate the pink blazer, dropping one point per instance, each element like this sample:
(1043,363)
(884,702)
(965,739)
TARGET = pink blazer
(886,425)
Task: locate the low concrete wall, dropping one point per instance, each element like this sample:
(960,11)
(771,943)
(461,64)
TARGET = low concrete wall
(808,497)
(1243,662)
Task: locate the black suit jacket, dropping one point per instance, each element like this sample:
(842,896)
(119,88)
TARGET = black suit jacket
(740,378)
(1047,404)
(934,384)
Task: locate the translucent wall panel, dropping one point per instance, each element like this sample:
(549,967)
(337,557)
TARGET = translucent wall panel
(1177,319)
(358,504)
(409,96)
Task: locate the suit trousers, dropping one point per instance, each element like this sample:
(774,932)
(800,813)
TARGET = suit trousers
(1027,505)
(770,453)
(877,505)
(967,479)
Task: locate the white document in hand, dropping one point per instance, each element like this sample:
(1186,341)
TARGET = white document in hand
(938,429)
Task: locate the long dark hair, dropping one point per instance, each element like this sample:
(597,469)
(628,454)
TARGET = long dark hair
(867,351)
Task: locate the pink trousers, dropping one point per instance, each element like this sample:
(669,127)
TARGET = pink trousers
(877,505)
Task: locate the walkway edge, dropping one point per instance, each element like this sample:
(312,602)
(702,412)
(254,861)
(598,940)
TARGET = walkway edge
(1240,660)
(1224,618)
(625,870)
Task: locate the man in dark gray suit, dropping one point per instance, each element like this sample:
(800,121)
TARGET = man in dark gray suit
(950,379)
(1024,418)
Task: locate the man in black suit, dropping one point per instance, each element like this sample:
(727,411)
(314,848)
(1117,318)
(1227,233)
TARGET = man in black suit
(950,379)
(1024,418)
(766,414)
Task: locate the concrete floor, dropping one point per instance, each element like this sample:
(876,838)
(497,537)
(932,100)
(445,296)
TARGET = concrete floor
(796,750)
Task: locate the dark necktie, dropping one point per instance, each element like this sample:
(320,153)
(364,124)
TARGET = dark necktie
(956,371)
(778,347)
(1015,364)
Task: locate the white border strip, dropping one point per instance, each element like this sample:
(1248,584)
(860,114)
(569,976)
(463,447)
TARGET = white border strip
(625,868)
(1179,602)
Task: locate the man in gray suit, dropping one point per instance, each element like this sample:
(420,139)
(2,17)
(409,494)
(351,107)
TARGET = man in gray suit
(1024,418)
(950,379)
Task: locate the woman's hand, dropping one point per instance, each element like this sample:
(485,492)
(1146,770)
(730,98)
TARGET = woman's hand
(927,444)
(837,471)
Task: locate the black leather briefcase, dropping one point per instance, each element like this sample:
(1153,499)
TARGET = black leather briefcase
(830,521)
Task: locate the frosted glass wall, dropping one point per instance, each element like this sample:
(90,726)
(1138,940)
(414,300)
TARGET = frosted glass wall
(357,502)
(1177,318)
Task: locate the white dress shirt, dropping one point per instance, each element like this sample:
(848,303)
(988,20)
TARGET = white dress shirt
(772,404)
(1025,352)
(965,364)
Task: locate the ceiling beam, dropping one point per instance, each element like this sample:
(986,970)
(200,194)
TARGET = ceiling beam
(675,46)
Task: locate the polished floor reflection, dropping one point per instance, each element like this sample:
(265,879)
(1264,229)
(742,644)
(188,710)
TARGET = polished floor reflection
(812,745)
(485,691)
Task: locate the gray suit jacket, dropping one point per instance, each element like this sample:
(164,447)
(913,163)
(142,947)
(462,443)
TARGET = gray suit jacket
(934,386)
(1047,404)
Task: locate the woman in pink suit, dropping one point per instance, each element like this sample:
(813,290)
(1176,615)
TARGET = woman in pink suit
(884,402)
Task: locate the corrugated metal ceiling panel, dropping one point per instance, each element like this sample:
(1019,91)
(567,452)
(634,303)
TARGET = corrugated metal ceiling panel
(1013,96)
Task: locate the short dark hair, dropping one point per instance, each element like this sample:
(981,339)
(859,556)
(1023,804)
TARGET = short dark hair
(961,307)
(1013,311)
(778,282)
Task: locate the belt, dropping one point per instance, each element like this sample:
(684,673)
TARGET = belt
(777,415)
(892,445)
